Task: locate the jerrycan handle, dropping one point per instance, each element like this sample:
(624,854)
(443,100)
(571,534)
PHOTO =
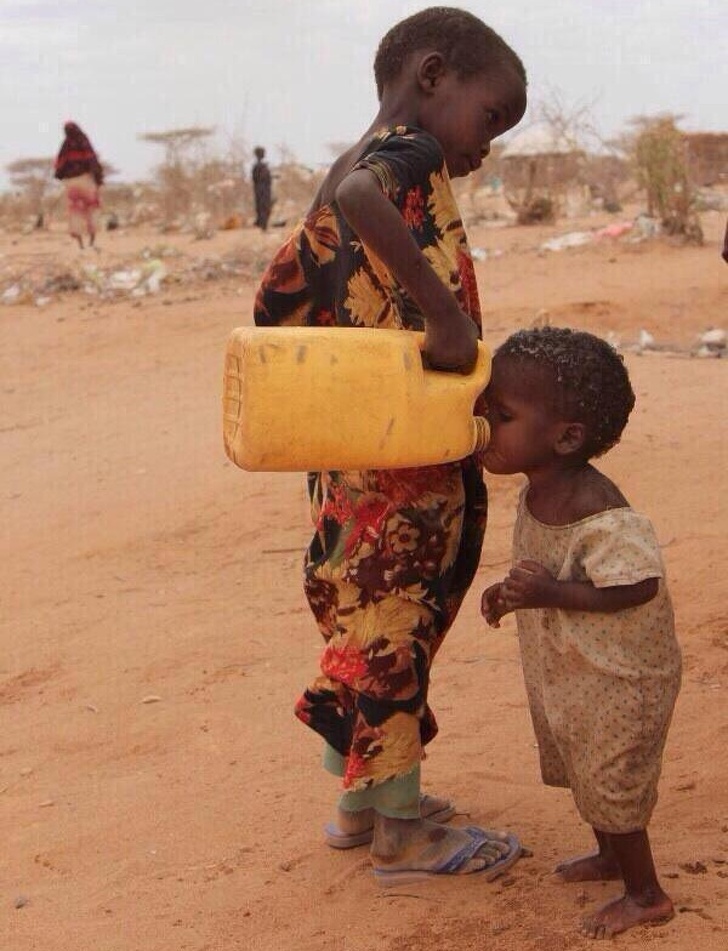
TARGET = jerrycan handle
(471,384)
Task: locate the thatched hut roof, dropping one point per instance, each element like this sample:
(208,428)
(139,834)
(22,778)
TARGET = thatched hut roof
(539,139)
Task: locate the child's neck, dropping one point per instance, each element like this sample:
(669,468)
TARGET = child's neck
(566,494)
(399,106)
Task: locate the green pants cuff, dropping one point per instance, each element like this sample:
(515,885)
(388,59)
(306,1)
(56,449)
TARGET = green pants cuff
(396,798)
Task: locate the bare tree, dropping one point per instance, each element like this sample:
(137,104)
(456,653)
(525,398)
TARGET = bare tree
(176,174)
(571,123)
(32,176)
(178,142)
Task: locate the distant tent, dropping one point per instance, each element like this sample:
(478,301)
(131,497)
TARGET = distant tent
(540,157)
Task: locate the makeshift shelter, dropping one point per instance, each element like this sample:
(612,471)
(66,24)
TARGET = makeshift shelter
(543,172)
(707,154)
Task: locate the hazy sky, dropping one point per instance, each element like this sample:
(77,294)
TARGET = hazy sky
(298,72)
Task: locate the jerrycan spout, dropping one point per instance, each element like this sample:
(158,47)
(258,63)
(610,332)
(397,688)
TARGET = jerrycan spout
(323,398)
(482,433)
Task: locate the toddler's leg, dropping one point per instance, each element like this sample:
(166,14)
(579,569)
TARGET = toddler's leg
(643,902)
(600,866)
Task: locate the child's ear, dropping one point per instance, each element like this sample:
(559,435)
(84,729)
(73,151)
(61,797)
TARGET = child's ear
(430,71)
(570,439)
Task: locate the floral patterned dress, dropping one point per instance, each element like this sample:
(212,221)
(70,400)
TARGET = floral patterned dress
(394,551)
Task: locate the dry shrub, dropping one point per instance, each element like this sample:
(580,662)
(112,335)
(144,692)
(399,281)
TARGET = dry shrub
(659,156)
(32,181)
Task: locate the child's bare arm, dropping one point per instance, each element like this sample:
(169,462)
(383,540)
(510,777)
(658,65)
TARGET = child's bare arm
(530,585)
(450,335)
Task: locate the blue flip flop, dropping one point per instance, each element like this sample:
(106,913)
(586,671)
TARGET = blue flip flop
(452,866)
(337,839)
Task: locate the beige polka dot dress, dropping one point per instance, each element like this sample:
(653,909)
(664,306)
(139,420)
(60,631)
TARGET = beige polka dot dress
(601,687)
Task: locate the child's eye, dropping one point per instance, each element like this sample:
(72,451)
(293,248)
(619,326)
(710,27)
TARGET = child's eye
(491,116)
(495,412)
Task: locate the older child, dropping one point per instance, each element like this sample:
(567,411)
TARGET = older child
(595,623)
(395,552)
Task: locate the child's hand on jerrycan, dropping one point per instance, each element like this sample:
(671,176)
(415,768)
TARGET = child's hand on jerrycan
(451,342)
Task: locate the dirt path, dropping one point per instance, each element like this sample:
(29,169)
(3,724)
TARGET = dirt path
(156,793)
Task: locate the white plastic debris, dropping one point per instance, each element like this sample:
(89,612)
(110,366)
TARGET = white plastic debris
(573,239)
(714,339)
(124,280)
(645,340)
(11,294)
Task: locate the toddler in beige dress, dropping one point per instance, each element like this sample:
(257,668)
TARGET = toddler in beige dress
(595,623)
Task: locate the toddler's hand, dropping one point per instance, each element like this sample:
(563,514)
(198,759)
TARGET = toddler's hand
(492,605)
(528,585)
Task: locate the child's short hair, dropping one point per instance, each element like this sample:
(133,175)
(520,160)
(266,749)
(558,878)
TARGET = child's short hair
(467,45)
(590,380)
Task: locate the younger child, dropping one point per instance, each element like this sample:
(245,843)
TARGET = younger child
(595,622)
(394,552)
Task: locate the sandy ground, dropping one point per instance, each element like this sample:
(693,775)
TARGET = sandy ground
(156,793)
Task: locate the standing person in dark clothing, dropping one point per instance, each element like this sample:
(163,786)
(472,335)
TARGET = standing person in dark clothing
(262,189)
(78,167)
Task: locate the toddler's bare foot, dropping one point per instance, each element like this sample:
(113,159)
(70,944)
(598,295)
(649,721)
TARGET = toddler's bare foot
(589,868)
(626,912)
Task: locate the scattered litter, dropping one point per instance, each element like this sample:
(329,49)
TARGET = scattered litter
(148,273)
(46,803)
(645,341)
(152,698)
(119,280)
(714,339)
(645,227)
(21,901)
(573,239)
(642,228)
(11,294)
(615,230)
(154,273)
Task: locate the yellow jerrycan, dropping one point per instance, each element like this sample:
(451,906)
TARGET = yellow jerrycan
(317,398)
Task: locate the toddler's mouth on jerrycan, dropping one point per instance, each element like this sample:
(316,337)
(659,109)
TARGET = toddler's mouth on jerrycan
(323,398)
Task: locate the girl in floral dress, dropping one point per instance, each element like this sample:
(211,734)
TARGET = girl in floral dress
(395,551)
